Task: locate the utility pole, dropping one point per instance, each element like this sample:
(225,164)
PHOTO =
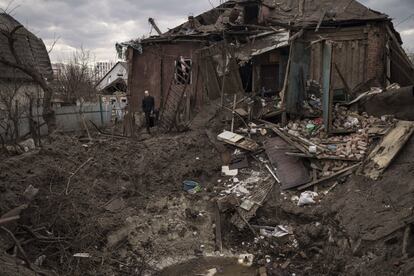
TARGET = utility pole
(152,22)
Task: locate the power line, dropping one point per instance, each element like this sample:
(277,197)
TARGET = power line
(404,20)
(211,3)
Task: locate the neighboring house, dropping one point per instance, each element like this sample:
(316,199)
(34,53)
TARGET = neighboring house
(101,68)
(115,80)
(31,51)
(264,47)
(113,87)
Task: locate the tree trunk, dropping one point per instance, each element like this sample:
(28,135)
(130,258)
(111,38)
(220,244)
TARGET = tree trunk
(48,113)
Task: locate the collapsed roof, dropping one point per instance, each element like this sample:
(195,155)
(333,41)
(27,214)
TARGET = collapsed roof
(30,49)
(283,13)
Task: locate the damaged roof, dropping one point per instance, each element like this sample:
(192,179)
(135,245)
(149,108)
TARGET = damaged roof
(259,45)
(294,13)
(310,12)
(31,50)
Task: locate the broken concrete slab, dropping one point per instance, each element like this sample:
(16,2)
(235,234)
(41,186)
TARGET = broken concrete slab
(225,170)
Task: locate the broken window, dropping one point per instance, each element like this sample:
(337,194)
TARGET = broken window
(340,96)
(183,71)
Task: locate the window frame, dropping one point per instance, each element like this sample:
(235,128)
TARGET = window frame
(177,81)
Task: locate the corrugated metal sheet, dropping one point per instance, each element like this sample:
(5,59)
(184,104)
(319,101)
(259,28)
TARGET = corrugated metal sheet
(290,170)
(262,45)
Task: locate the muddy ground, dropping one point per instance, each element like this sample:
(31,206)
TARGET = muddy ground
(125,207)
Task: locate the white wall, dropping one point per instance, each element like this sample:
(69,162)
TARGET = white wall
(118,71)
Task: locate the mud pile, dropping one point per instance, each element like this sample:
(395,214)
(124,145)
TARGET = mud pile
(113,184)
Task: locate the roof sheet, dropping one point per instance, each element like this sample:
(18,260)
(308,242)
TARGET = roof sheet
(263,45)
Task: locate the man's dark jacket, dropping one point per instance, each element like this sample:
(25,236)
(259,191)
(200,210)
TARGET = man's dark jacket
(148,104)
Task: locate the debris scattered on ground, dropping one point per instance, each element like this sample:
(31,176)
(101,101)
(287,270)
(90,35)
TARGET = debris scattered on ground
(209,201)
(191,187)
(246,259)
(238,140)
(307,198)
(276,232)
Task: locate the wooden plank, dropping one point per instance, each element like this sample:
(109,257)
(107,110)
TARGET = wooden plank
(8,219)
(321,157)
(348,89)
(337,174)
(240,142)
(326,85)
(385,152)
(219,242)
(280,133)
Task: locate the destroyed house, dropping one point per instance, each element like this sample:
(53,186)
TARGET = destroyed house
(323,51)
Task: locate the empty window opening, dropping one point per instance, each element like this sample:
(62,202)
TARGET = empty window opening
(251,14)
(246,75)
(340,96)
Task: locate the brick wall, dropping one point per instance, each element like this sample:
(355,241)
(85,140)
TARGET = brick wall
(376,52)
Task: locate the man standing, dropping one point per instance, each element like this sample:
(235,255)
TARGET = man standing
(148,105)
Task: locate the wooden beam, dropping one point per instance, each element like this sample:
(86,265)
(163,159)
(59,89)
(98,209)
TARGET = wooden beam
(337,174)
(219,242)
(385,152)
(9,219)
(301,7)
(348,89)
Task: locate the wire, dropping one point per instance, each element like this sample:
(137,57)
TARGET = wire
(211,3)
(405,20)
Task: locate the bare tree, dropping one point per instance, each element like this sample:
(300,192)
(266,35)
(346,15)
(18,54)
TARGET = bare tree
(30,69)
(11,111)
(77,80)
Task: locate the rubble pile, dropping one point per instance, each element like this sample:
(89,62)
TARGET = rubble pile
(242,188)
(352,145)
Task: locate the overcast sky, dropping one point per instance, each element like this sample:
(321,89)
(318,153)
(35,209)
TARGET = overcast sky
(98,24)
